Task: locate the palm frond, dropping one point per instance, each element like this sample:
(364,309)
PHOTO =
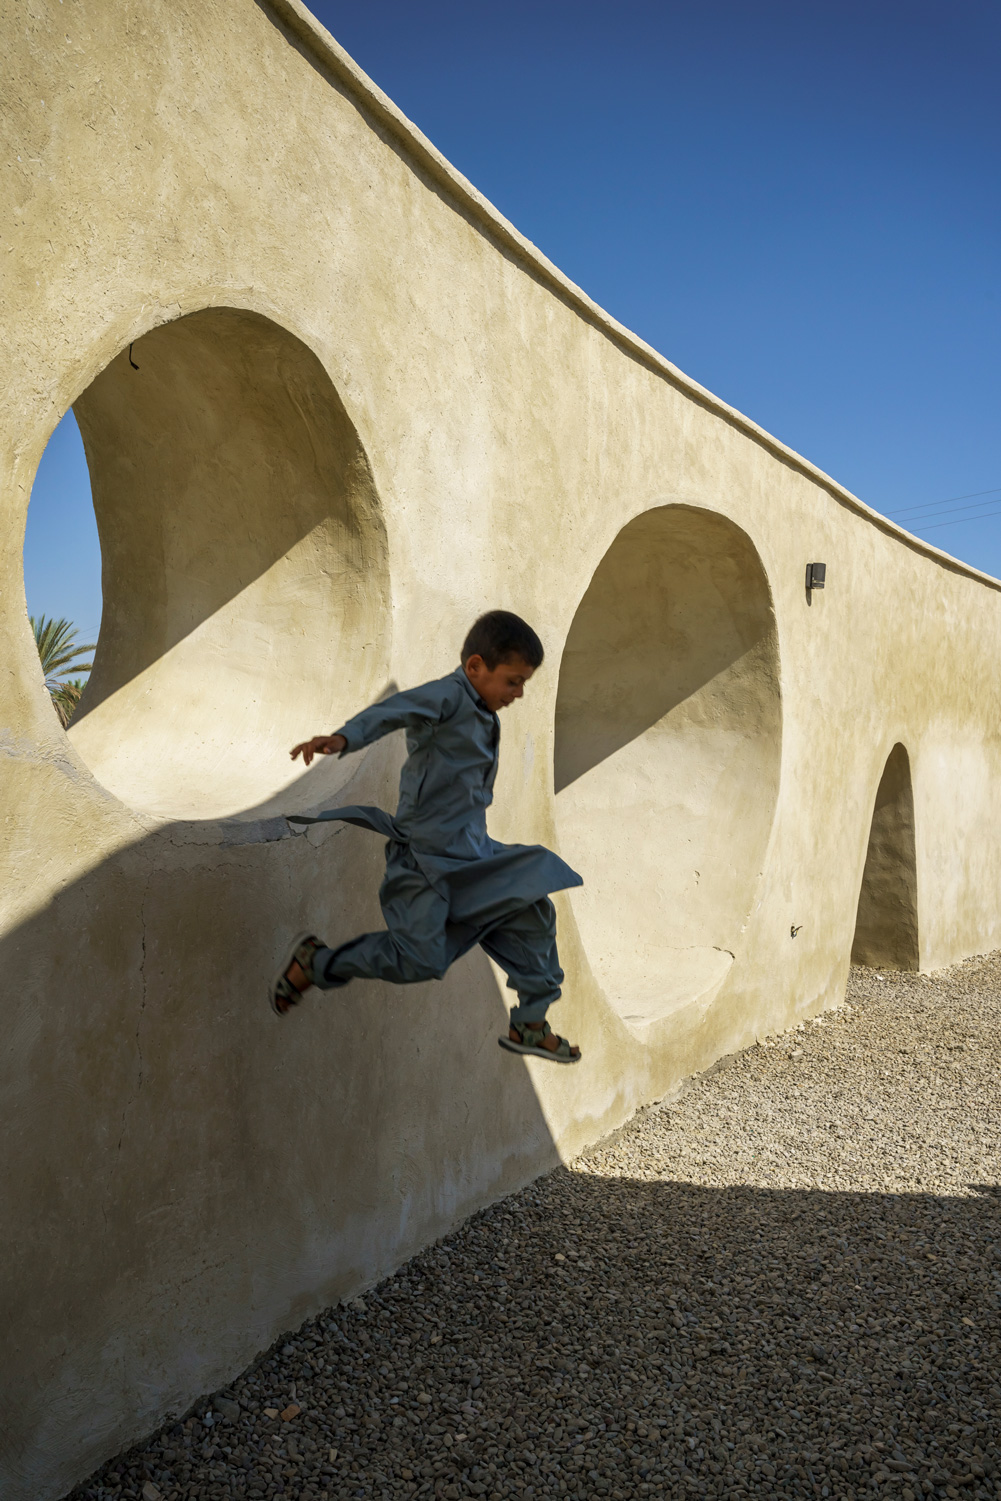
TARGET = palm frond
(66,697)
(59,654)
(58,649)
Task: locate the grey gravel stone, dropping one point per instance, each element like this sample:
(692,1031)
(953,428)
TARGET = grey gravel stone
(782,1284)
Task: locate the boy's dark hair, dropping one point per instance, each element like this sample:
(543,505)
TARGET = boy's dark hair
(498,636)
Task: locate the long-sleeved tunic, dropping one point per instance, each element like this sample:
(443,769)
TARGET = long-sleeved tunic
(446,786)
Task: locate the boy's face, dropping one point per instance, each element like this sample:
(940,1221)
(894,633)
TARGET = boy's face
(501,685)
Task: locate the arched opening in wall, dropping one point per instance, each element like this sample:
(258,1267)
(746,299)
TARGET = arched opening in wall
(667,751)
(886,924)
(244,565)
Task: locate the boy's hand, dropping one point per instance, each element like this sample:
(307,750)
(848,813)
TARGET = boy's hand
(320,745)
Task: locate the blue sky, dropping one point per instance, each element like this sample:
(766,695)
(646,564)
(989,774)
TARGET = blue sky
(798,204)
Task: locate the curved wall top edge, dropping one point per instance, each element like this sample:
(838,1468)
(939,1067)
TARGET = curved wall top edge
(327,51)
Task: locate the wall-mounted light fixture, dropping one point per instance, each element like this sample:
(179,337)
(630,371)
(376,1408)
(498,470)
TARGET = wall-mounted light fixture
(816,576)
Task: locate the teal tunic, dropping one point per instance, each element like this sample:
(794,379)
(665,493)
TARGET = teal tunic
(448,885)
(446,787)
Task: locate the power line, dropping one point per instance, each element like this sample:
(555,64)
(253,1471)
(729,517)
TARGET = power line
(974,505)
(960,519)
(973,494)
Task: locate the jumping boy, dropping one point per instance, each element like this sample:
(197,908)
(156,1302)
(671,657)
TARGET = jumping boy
(448,885)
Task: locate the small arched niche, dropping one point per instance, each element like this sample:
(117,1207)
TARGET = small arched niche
(886,924)
(668,742)
(244,565)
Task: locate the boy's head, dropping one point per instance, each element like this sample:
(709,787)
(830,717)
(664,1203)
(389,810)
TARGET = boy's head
(499,656)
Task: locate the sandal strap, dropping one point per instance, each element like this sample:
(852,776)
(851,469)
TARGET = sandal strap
(286,993)
(304,955)
(533,1037)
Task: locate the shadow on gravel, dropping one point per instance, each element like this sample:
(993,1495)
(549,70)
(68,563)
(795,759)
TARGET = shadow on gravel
(611,1337)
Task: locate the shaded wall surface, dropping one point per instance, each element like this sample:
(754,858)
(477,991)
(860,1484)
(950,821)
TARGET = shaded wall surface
(365,409)
(886,928)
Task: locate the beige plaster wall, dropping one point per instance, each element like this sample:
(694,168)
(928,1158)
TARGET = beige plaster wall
(364,411)
(244,552)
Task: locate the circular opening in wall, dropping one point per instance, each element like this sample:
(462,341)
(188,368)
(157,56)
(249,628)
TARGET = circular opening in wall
(668,739)
(244,565)
(62,566)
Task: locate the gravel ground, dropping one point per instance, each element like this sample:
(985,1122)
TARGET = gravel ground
(783,1283)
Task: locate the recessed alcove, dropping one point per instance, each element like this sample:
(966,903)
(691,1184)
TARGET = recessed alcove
(244,565)
(886,922)
(667,751)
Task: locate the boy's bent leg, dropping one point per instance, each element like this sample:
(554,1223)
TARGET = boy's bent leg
(524,945)
(415,945)
(373,956)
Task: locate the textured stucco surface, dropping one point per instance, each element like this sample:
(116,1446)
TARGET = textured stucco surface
(364,411)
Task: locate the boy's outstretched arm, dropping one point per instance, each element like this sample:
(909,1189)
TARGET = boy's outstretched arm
(431,703)
(320,745)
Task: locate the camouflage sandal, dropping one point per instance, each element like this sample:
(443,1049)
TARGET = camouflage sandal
(283,995)
(530,1040)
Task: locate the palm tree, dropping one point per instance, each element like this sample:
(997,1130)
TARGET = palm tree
(66,697)
(59,654)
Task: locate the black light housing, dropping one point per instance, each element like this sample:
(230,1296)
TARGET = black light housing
(816,576)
